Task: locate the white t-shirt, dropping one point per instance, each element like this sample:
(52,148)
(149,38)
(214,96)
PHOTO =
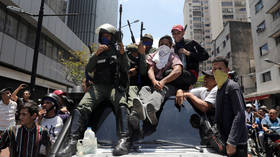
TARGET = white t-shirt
(54,126)
(7,114)
(205,95)
(249,117)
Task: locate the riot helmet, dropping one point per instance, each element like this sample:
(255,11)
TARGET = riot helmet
(106,28)
(52,98)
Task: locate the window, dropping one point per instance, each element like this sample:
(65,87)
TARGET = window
(218,50)
(11,26)
(227,37)
(227,10)
(196,7)
(22,32)
(266,76)
(197,18)
(227,16)
(42,46)
(240,3)
(259,6)
(55,53)
(197,31)
(197,25)
(226,3)
(261,27)
(277,40)
(197,13)
(228,55)
(224,43)
(31,35)
(242,9)
(49,49)
(276,14)
(2,19)
(264,49)
(207,25)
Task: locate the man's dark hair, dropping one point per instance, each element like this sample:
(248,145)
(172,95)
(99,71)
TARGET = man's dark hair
(221,59)
(168,38)
(31,106)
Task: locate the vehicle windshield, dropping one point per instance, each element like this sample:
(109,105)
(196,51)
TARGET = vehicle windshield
(174,126)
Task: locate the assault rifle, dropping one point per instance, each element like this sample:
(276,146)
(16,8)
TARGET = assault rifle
(132,36)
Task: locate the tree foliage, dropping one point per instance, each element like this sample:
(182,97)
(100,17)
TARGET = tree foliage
(76,63)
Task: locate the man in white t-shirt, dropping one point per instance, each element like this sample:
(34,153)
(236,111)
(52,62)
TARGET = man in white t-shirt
(203,98)
(7,110)
(48,116)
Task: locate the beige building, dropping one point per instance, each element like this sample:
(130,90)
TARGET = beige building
(196,16)
(206,19)
(265,17)
(221,11)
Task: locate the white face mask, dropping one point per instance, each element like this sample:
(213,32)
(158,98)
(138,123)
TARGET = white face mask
(163,50)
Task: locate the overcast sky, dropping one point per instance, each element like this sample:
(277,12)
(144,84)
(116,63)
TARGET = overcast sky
(158,16)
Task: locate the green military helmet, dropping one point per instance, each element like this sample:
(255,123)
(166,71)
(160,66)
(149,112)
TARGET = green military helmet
(106,28)
(132,48)
(149,36)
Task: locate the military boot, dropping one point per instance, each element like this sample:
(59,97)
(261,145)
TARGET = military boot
(76,130)
(124,142)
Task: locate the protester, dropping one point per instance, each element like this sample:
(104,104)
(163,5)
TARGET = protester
(63,102)
(271,127)
(48,116)
(190,53)
(230,110)
(151,98)
(203,98)
(27,139)
(7,110)
(20,101)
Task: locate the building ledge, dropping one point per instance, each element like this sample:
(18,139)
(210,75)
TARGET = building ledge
(273,8)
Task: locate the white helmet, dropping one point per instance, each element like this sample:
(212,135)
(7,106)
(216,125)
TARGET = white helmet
(106,28)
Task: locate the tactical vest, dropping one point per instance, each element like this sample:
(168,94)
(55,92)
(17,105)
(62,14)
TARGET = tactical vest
(105,70)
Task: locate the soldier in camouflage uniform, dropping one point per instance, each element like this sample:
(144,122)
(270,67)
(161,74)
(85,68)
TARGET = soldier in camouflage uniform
(110,69)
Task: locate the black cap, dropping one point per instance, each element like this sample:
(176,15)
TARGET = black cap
(208,72)
(5,89)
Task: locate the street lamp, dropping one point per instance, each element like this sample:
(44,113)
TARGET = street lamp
(272,62)
(131,23)
(37,40)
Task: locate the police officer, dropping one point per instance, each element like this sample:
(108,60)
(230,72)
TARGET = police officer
(110,68)
(148,40)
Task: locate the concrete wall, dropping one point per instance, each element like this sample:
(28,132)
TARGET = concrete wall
(235,43)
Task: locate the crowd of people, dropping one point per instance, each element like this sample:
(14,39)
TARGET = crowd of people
(136,81)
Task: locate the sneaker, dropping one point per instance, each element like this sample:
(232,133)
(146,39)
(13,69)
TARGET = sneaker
(139,108)
(151,114)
